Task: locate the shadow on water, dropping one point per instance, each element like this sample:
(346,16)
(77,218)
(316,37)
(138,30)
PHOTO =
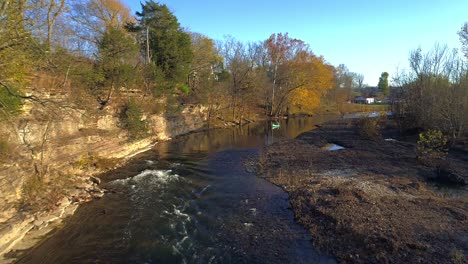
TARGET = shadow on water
(189,200)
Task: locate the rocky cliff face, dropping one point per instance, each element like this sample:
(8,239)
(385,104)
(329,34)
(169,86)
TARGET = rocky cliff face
(61,148)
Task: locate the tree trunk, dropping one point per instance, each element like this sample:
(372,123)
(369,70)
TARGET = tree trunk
(51,18)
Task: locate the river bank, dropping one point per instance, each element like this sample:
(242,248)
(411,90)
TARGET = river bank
(41,186)
(370,202)
(30,226)
(188,200)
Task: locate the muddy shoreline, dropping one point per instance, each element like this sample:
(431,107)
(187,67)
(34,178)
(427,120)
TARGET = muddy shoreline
(371,202)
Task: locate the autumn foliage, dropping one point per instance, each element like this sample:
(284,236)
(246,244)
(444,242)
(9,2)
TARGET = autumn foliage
(298,77)
(103,51)
(316,77)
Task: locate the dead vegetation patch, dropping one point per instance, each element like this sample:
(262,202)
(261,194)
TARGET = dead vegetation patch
(370,202)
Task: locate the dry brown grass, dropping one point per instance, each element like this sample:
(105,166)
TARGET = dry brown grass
(367,203)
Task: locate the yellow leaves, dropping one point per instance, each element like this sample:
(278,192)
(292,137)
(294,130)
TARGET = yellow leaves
(205,58)
(204,52)
(107,13)
(304,100)
(313,77)
(112,12)
(312,73)
(299,77)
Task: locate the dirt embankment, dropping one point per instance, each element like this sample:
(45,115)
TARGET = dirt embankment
(370,202)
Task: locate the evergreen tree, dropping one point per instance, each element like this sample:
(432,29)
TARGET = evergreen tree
(169,46)
(114,68)
(383,84)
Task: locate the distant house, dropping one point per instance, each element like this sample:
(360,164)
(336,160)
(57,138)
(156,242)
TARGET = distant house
(364,100)
(360,100)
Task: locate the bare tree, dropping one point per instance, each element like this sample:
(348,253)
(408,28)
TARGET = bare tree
(53,11)
(434,94)
(359,80)
(90,18)
(239,67)
(463,33)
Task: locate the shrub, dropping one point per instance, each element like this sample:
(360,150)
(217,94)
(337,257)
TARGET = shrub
(368,127)
(9,103)
(185,89)
(85,161)
(89,160)
(39,195)
(131,118)
(33,191)
(432,147)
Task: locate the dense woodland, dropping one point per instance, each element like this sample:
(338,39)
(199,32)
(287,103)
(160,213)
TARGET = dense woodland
(100,50)
(104,57)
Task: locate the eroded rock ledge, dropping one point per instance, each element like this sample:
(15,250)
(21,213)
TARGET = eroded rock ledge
(71,144)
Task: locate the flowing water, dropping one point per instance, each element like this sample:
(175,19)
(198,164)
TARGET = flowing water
(189,200)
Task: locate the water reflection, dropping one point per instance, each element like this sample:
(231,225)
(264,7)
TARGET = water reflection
(189,200)
(252,135)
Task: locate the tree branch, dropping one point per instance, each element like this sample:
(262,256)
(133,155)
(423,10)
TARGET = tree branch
(35,99)
(28,97)
(285,95)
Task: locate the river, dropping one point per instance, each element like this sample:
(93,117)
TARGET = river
(189,200)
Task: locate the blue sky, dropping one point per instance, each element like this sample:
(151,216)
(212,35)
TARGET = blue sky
(369,37)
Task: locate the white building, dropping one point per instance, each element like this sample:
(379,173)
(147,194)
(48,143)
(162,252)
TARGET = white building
(364,100)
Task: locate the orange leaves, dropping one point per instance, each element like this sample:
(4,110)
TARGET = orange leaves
(310,71)
(304,99)
(298,75)
(315,76)
(281,48)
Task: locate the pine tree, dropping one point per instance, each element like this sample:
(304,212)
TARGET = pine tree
(169,46)
(383,84)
